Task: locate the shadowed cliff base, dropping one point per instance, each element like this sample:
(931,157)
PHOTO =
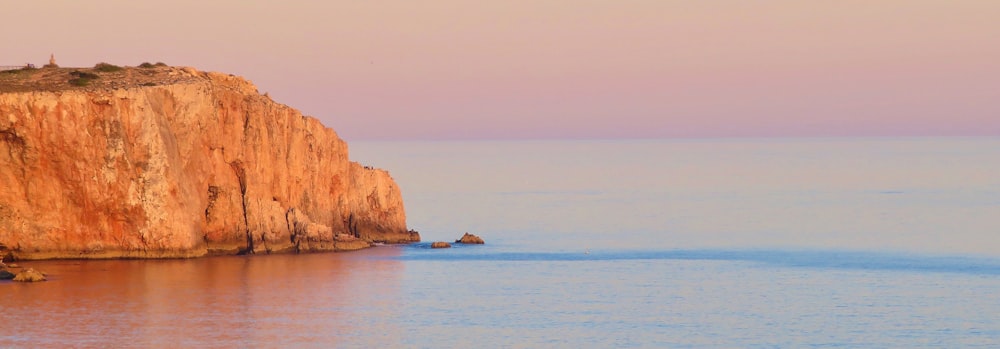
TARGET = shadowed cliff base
(165,162)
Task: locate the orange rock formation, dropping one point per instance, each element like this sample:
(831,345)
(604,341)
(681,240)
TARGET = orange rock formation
(201,165)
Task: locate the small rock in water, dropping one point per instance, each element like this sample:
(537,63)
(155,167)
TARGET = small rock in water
(470,239)
(29,275)
(6,275)
(440,244)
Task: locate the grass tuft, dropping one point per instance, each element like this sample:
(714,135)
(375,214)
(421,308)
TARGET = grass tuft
(79,82)
(84,75)
(22,70)
(107,67)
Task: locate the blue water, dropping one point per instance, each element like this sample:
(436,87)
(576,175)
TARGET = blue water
(787,258)
(702,243)
(777,243)
(698,298)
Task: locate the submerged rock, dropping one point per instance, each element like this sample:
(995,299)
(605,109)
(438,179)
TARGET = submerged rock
(440,244)
(29,275)
(470,239)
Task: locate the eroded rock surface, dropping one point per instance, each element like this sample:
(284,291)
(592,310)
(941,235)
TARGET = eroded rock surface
(440,244)
(29,275)
(470,239)
(202,165)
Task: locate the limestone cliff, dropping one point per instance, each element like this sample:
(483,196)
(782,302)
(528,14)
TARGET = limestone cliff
(197,164)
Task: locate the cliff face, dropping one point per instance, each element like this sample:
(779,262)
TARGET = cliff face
(202,166)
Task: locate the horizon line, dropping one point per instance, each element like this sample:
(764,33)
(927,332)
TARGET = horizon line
(690,138)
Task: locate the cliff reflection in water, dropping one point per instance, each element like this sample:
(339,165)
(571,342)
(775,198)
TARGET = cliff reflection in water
(227,301)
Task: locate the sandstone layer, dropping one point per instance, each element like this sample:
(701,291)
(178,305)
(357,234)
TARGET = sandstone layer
(195,165)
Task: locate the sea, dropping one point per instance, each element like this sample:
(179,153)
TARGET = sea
(691,243)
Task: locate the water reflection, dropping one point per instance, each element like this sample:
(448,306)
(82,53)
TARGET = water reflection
(226,301)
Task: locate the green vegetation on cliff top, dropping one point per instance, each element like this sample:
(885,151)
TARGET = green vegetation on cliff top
(101,76)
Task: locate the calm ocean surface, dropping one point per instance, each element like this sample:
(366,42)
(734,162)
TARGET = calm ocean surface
(784,243)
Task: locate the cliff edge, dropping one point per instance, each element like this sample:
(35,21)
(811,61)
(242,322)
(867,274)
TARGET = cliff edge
(174,162)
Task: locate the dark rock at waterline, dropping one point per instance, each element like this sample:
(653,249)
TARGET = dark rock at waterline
(6,275)
(470,239)
(440,244)
(29,275)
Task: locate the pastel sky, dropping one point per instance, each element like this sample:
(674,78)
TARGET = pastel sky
(515,69)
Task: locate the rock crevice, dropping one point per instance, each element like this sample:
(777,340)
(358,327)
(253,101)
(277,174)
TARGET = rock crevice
(241,177)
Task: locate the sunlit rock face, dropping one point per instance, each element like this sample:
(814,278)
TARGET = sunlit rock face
(196,166)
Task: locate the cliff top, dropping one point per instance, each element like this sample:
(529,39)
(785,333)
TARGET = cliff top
(101,76)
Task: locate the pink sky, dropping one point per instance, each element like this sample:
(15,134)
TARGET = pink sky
(459,69)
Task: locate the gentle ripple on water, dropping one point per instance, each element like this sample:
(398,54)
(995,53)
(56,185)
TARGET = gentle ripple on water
(483,296)
(704,298)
